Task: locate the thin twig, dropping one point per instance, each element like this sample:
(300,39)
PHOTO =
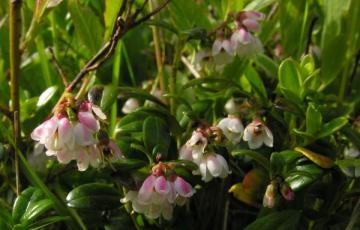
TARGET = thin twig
(146,17)
(121,27)
(58,67)
(15,59)
(190,67)
(158,52)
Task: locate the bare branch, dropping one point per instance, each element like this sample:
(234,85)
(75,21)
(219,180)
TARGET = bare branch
(58,67)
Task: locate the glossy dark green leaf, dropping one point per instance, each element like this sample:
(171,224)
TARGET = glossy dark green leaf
(258,157)
(126,164)
(283,220)
(313,119)
(333,126)
(156,134)
(302,176)
(185,163)
(21,203)
(41,224)
(95,196)
(36,209)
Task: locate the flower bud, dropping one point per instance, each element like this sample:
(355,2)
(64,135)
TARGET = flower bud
(287,192)
(270,195)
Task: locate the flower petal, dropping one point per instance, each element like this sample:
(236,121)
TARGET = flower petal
(147,189)
(182,187)
(162,185)
(89,120)
(252,25)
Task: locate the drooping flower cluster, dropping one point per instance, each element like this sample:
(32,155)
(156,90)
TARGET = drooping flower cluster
(160,193)
(210,164)
(240,41)
(256,133)
(71,135)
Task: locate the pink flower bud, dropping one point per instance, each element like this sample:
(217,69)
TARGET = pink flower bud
(287,192)
(269,196)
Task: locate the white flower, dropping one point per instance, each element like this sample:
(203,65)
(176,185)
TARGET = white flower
(351,153)
(213,165)
(130,105)
(197,143)
(222,45)
(246,44)
(232,128)
(256,133)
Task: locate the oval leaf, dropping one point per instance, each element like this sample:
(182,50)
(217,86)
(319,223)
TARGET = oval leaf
(322,161)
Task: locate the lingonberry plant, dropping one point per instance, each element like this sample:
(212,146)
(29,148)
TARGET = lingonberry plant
(179,114)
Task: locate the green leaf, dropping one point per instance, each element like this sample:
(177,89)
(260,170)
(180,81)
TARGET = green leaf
(341,23)
(21,203)
(41,224)
(5,218)
(109,97)
(156,134)
(46,96)
(291,21)
(188,14)
(348,163)
(259,158)
(333,126)
(95,196)
(313,119)
(284,220)
(256,83)
(110,13)
(126,164)
(289,77)
(258,4)
(87,25)
(302,176)
(282,162)
(36,209)
(267,64)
